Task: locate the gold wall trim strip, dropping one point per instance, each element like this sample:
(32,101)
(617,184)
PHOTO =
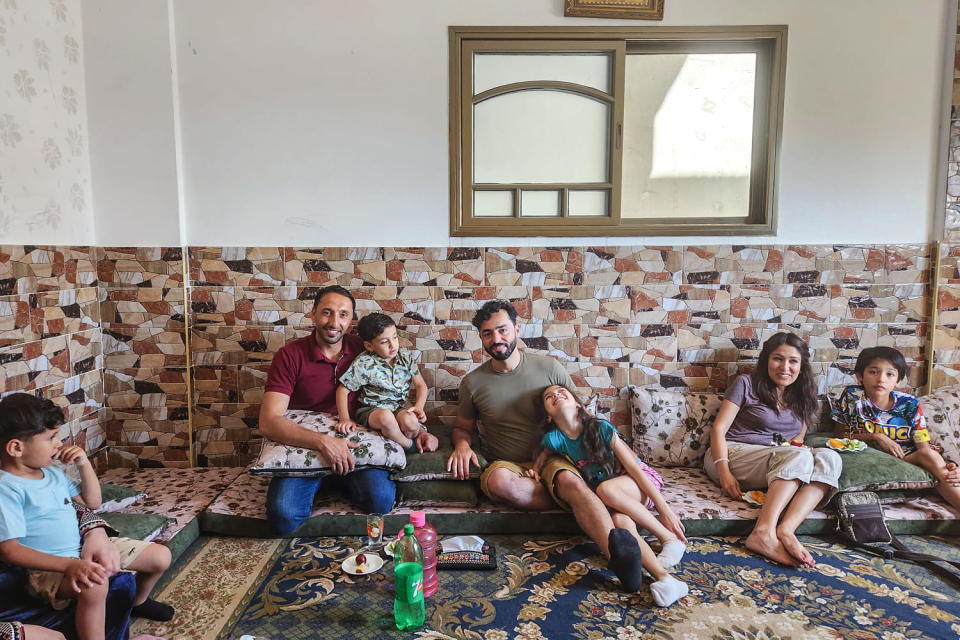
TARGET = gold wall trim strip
(934,309)
(185,261)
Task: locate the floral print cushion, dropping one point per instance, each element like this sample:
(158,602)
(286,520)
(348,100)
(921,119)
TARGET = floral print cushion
(942,411)
(672,429)
(373,451)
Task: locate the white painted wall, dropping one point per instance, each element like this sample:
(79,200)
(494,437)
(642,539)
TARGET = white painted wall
(131,118)
(322,123)
(44,164)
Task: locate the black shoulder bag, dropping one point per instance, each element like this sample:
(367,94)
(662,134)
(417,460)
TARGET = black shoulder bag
(860,520)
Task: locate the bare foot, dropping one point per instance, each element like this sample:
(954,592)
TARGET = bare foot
(795,549)
(771,548)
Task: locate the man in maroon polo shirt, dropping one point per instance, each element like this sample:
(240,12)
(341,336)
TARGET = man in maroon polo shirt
(304,375)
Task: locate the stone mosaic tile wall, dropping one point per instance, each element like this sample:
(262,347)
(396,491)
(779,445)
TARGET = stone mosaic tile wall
(676,317)
(145,355)
(50,335)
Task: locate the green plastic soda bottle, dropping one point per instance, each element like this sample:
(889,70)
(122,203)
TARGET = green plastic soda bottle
(408,608)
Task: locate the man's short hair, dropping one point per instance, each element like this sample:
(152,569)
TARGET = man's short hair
(372,325)
(889,354)
(494,306)
(334,288)
(24,415)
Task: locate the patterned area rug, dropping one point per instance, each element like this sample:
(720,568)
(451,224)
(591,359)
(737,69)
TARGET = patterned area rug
(560,588)
(208,584)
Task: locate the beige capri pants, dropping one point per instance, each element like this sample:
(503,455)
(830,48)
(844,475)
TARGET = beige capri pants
(755,466)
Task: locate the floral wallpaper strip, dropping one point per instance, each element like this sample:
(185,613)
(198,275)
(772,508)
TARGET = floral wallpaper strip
(44,159)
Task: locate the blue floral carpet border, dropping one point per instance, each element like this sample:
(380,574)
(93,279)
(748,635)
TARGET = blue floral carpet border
(561,588)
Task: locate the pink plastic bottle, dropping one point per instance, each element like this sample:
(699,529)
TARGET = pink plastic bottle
(427,536)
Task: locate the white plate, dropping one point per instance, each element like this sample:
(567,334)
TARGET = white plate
(374,562)
(860,445)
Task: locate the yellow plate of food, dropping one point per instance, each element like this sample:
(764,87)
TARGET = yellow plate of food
(846,444)
(391,547)
(755,497)
(360,564)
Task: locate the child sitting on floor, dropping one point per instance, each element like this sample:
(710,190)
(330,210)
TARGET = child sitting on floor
(626,485)
(383,375)
(892,421)
(38,524)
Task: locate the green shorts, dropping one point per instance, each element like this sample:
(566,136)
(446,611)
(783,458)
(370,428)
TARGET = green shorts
(362,416)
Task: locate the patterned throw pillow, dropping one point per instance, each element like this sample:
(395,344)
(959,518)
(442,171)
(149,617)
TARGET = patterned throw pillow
(942,411)
(373,451)
(672,429)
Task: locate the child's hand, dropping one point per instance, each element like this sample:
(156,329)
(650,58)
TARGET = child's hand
(345,426)
(419,413)
(670,520)
(72,453)
(426,441)
(98,548)
(532,473)
(886,444)
(83,574)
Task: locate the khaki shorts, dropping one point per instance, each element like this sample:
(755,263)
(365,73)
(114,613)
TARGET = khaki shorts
(553,466)
(755,466)
(45,584)
(362,416)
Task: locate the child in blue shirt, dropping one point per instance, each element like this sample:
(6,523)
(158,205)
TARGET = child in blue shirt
(625,485)
(892,421)
(38,524)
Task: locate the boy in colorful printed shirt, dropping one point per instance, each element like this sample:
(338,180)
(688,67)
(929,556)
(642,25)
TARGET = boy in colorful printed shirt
(38,524)
(890,420)
(383,375)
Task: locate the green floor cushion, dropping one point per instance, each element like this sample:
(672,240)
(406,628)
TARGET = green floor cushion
(874,470)
(438,493)
(432,465)
(373,451)
(138,526)
(115,497)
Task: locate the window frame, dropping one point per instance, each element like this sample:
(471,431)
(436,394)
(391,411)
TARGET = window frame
(768,41)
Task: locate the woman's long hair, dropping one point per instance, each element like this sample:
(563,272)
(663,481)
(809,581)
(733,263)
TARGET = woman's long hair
(801,396)
(593,443)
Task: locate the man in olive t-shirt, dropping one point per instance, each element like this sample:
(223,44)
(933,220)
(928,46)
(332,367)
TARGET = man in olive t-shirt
(504,394)
(508,404)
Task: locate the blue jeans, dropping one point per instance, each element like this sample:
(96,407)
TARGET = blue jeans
(290,500)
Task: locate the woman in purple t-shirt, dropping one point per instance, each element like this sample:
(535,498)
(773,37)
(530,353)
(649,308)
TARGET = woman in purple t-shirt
(757,442)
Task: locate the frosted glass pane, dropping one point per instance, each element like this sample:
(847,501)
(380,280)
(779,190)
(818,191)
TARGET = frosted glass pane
(497,69)
(688,135)
(539,203)
(493,204)
(587,203)
(540,137)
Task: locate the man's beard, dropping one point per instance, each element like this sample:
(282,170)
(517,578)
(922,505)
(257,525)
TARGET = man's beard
(502,355)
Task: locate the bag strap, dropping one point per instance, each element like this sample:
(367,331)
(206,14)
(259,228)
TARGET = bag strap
(901,552)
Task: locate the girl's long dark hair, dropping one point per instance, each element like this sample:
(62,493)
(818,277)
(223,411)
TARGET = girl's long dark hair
(593,444)
(801,396)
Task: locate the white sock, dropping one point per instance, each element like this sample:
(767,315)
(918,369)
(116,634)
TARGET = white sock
(669,590)
(671,554)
